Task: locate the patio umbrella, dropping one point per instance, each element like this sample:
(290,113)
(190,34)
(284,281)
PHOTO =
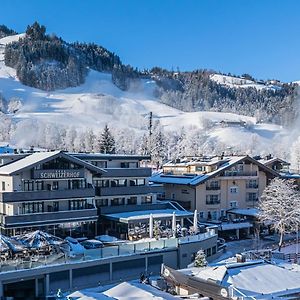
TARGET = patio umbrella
(39,239)
(195,223)
(174,223)
(151,226)
(7,243)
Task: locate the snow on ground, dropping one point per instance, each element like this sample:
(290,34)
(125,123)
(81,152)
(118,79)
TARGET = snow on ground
(98,102)
(237,82)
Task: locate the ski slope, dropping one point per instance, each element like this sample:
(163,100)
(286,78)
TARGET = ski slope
(98,102)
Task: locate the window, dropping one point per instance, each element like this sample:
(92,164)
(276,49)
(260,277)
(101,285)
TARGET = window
(28,185)
(173,196)
(214,250)
(252,184)
(200,168)
(213,199)
(146,199)
(251,197)
(140,181)
(208,252)
(101,183)
(122,182)
(81,204)
(201,215)
(117,201)
(100,164)
(132,182)
(185,192)
(77,184)
(213,185)
(3,185)
(233,190)
(55,206)
(55,185)
(124,164)
(233,204)
(32,207)
(132,200)
(39,185)
(214,215)
(101,202)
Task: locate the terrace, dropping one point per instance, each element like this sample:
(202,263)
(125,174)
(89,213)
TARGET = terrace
(120,248)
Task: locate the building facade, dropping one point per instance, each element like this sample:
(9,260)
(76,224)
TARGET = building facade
(52,191)
(215,185)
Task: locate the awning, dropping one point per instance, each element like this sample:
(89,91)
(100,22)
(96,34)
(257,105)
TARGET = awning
(232,226)
(248,212)
(139,216)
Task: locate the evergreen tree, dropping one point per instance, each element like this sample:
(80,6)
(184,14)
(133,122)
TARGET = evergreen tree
(107,143)
(200,259)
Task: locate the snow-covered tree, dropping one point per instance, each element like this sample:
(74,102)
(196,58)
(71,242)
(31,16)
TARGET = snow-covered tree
(295,155)
(107,142)
(200,259)
(280,206)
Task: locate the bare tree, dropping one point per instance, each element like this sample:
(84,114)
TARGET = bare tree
(280,207)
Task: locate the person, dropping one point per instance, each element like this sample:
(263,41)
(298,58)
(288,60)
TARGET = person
(142,277)
(59,294)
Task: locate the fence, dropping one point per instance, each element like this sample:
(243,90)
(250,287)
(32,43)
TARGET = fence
(123,249)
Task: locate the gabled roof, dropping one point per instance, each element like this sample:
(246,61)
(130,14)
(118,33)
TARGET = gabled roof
(272,160)
(41,157)
(201,178)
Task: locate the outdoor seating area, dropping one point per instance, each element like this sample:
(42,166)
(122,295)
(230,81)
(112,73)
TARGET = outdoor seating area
(33,244)
(136,225)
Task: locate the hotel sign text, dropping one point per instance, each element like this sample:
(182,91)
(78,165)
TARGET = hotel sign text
(58,174)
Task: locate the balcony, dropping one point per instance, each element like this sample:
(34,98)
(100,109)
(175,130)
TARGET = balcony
(127,172)
(252,186)
(21,196)
(251,199)
(239,174)
(49,218)
(128,190)
(213,188)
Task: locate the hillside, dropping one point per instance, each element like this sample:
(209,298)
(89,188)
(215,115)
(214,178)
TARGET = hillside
(98,101)
(49,63)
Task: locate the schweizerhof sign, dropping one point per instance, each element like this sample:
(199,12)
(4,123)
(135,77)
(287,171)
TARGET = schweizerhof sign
(58,174)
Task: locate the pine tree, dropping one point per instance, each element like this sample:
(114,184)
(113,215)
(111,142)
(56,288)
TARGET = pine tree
(107,143)
(200,259)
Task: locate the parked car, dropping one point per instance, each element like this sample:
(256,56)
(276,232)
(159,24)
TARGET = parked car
(92,244)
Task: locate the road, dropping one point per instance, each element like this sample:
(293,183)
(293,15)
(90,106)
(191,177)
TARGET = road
(235,247)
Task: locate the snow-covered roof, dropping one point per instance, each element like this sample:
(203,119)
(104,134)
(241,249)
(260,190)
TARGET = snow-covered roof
(41,157)
(194,179)
(253,279)
(126,217)
(272,160)
(290,175)
(135,290)
(122,291)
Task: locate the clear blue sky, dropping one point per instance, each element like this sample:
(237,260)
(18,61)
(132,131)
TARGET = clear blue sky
(259,37)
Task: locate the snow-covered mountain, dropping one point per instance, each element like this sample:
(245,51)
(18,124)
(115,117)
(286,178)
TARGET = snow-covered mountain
(98,102)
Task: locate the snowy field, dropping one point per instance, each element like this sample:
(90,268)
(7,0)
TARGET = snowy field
(98,102)
(236,82)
